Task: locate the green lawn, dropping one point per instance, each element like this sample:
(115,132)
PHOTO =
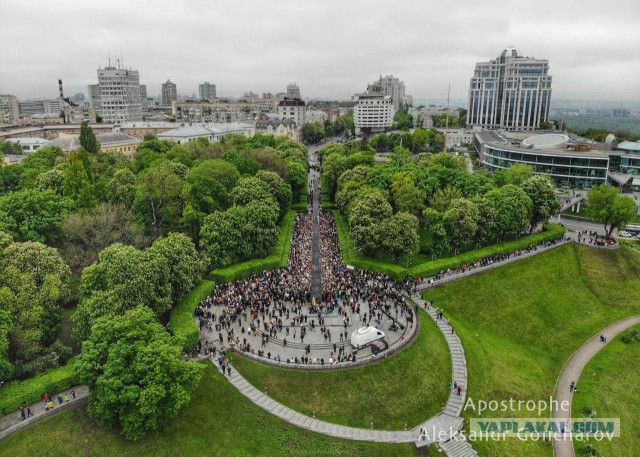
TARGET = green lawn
(219,422)
(408,388)
(613,389)
(520,322)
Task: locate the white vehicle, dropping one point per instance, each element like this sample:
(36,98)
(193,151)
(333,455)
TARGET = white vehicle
(625,234)
(365,335)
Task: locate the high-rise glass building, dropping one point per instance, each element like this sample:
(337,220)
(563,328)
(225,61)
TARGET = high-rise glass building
(511,92)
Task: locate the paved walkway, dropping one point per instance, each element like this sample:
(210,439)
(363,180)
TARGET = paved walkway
(571,373)
(442,428)
(475,270)
(13,422)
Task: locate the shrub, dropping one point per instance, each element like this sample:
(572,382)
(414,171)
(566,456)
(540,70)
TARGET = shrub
(423,270)
(181,321)
(631,336)
(19,393)
(55,355)
(277,258)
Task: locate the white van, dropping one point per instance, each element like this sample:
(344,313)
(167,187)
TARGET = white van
(365,335)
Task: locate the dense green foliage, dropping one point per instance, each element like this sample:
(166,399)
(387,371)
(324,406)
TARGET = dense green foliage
(134,369)
(181,321)
(610,208)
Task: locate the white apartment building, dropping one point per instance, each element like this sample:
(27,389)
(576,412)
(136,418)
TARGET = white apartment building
(207,91)
(31,107)
(9,113)
(510,92)
(373,111)
(118,96)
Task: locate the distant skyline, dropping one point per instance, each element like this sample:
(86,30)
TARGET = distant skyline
(332,49)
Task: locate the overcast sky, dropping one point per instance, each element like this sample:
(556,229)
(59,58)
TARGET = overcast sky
(330,48)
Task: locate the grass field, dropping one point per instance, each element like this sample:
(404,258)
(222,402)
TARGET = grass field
(408,388)
(219,421)
(520,322)
(610,383)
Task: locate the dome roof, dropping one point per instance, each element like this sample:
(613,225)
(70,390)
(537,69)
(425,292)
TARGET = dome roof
(545,141)
(510,51)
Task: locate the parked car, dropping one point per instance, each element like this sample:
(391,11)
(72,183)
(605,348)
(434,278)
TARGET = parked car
(625,234)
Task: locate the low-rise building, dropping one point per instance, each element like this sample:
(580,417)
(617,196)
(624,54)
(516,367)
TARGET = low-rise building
(455,137)
(29,144)
(278,128)
(315,116)
(222,110)
(9,113)
(212,132)
(113,142)
(50,132)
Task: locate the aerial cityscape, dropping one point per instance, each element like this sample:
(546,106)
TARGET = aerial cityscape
(318,228)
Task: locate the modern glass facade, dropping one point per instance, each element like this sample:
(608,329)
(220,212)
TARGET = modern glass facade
(569,168)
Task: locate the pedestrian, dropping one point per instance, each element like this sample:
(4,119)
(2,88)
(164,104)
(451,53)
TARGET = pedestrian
(23,414)
(459,390)
(73,394)
(46,398)
(572,386)
(66,398)
(59,399)
(229,370)
(29,413)
(455,385)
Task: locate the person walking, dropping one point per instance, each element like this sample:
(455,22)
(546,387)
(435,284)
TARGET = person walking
(572,386)
(59,399)
(29,413)
(23,413)
(459,390)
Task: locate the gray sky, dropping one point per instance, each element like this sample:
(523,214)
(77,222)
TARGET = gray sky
(330,48)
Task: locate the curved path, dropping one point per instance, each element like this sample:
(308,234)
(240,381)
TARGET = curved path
(571,373)
(442,428)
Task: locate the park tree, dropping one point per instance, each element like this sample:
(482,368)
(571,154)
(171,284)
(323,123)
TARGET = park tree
(515,174)
(34,214)
(159,200)
(249,190)
(88,139)
(52,180)
(540,190)
(312,132)
(442,198)
(125,277)
(136,374)
(33,289)
(260,229)
(78,184)
(408,198)
(296,174)
(399,236)
(513,208)
(6,325)
(461,222)
(280,190)
(185,264)
(487,215)
(332,167)
(610,208)
(121,189)
(366,214)
(89,231)
(220,236)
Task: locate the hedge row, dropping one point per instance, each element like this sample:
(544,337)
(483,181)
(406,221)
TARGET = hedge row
(278,257)
(20,393)
(181,321)
(351,257)
(427,269)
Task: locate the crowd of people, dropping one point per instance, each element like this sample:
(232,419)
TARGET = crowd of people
(487,261)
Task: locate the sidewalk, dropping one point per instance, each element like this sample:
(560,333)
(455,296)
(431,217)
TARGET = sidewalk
(13,422)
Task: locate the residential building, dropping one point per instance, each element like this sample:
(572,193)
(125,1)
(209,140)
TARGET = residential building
(315,116)
(79,114)
(9,113)
(221,110)
(30,108)
(50,131)
(373,111)
(169,93)
(207,91)
(293,91)
(118,97)
(394,88)
(456,137)
(292,108)
(278,128)
(212,132)
(332,112)
(510,92)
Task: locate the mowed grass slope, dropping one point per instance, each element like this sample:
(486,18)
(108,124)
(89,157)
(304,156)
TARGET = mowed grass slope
(520,322)
(219,421)
(610,383)
(407,388)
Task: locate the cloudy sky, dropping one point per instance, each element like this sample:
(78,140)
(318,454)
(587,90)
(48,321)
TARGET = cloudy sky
(330,48)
